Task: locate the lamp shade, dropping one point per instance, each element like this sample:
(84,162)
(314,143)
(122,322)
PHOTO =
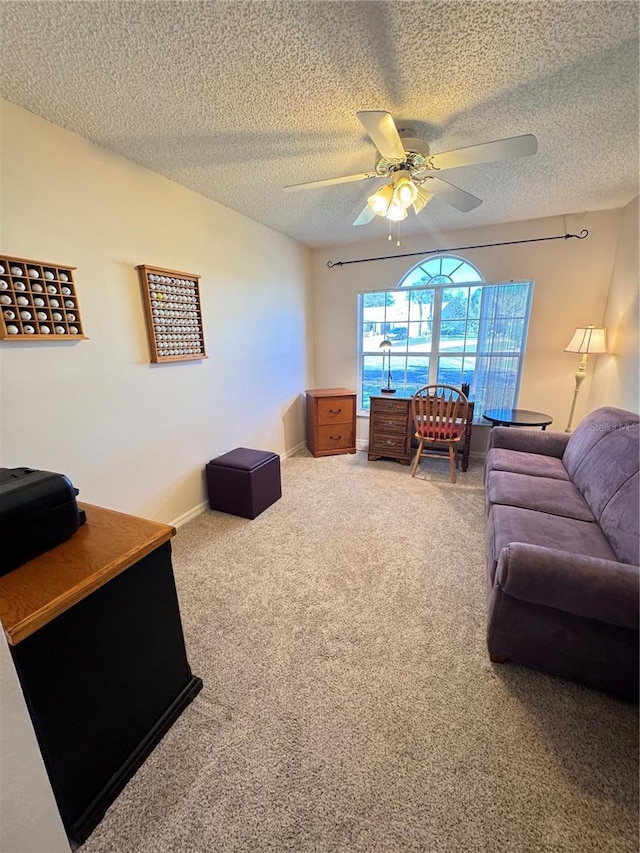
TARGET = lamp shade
(588,340)
(385,344)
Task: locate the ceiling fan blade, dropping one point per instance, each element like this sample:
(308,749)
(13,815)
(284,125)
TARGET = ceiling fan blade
(383,131)
(365,217)
(421,202)
(460,199)
(486,152)
(327,182)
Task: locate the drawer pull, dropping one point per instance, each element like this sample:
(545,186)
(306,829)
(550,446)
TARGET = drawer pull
(390,423)
(390,442)
(335,437)
(334,411)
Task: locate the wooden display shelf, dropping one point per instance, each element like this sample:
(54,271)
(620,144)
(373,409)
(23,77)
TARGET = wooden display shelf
(38,301)
(173,314)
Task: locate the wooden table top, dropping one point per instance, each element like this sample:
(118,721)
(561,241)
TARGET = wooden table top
(108,543)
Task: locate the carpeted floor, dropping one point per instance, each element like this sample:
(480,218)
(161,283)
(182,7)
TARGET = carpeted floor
(349,703)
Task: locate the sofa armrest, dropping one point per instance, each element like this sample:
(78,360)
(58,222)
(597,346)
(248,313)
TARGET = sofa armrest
(529,440)
(591,587)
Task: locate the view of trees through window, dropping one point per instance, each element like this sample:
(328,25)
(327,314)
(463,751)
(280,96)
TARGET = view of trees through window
(445,325)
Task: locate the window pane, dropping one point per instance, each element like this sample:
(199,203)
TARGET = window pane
(475,298)
(420,335)
(417,372)
(450,370)
(465,274)
(441,269)
(479,338)
(452,335)
(512,300)
(372,378)
(468,370)
(496,382)
(415,278)
(398,334)
(376,306)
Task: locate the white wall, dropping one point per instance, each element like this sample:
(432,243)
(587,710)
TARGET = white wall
(571,282)
(130,435)
(29,819)
(615,375)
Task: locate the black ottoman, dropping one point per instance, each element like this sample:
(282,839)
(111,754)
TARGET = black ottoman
(244,482)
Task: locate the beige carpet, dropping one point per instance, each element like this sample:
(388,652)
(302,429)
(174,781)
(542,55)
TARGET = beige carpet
(349,703)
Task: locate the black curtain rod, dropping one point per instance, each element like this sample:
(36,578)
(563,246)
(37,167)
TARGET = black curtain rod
(584,233)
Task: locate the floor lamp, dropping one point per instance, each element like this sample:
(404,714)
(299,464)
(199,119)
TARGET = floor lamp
(586,341)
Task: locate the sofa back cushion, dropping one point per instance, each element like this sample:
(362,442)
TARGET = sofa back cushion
(602,458)
(619,522)
(590,432)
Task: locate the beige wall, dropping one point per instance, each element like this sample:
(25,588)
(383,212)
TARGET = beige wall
(615,375)
(130,435)
(571,282)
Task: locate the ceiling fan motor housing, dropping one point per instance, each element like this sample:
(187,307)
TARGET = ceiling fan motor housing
(417,153)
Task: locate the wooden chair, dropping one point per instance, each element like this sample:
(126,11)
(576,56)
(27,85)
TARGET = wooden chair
(439,416)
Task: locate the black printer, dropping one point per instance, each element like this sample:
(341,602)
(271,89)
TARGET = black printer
(38,510)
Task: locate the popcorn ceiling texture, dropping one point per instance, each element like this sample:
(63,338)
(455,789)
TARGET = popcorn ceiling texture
(236,99)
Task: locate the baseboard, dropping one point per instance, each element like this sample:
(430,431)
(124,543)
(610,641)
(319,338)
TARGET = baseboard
(204,506)
(293,450)
(191,513)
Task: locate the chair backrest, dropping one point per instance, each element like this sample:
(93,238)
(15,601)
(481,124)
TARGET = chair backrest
(439,412)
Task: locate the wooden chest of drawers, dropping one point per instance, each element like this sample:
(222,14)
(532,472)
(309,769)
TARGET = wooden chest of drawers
(391,431)
(331,421)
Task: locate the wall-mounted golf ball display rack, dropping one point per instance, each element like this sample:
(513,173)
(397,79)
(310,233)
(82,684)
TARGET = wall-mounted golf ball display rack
(174,316)
(38,301)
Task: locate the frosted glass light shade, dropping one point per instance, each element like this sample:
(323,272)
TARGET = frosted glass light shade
(396,212)
(379,202)
(405,192)
(588,340)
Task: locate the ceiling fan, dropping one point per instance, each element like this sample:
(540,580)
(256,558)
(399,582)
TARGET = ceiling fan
(413,172)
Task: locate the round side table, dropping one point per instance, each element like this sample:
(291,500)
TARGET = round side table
(517,417)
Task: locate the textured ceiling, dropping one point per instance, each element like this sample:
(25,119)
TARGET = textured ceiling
(236,99)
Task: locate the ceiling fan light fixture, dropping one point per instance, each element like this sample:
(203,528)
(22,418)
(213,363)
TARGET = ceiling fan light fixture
(379,202)
(405,191)
(396,212)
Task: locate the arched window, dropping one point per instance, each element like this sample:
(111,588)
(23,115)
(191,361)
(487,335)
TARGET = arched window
(445,324)
(441,269)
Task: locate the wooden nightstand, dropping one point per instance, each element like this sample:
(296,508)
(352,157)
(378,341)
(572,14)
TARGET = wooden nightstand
(331,421)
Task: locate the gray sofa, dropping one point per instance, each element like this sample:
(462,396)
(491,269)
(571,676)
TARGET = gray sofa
(562,550)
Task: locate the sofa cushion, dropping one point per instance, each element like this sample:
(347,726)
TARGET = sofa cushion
(543,494)
(533,464)
(509,524)
(619,521)
(591,431)
(607,467)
